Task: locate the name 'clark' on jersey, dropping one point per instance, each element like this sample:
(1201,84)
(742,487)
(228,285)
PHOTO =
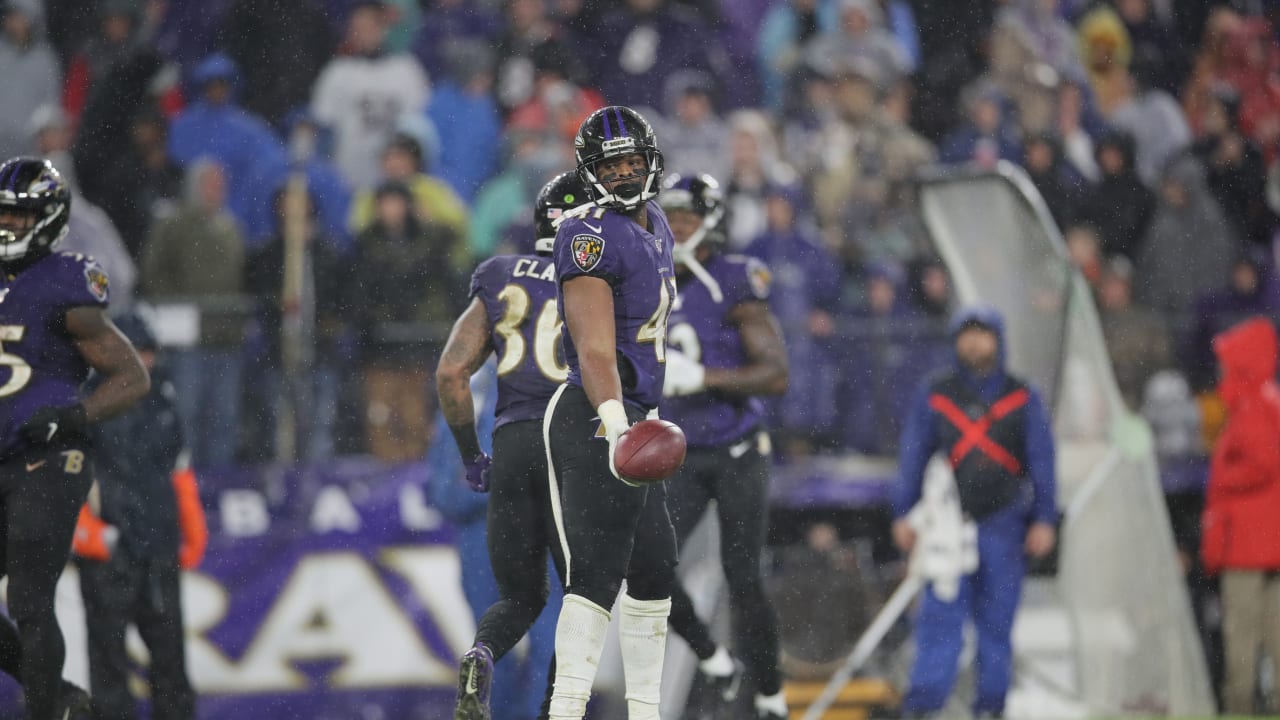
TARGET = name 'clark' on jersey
(519,296)
(637,265)
(40,365)
(702,329)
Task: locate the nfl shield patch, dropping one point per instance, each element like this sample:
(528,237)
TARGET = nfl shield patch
(96,281)
(587,250)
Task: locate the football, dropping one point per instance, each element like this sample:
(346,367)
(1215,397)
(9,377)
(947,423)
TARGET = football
(651,451)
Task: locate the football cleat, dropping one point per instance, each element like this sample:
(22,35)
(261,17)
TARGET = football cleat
(475,676)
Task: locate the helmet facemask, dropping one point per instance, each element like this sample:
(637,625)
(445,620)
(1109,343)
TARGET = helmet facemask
(634,191)
(32,190)
(18,242)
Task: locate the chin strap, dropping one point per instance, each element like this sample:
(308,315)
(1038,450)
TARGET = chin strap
(685,253)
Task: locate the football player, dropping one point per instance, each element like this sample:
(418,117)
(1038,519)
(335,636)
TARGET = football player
(725,350)
(513,313)
(54,329)
(617,281)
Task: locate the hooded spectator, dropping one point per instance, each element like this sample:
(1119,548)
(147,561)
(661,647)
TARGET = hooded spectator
(1236,170)
(1189,246)
(1251,289)
(1058,185)
(1239,539)
(30,70)
(1120,205)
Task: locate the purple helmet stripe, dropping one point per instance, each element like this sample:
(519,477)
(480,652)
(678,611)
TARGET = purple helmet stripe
(622,129)
(608,131)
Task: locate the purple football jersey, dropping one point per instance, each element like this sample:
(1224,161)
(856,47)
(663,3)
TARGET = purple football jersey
(701,329)
(637,265)
(519,296)
(39,363)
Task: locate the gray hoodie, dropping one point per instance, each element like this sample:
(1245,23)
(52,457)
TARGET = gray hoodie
(31,78)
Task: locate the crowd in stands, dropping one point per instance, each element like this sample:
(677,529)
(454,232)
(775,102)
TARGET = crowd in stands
(423,129)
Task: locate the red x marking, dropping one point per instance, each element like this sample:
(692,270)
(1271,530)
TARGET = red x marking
(973,433)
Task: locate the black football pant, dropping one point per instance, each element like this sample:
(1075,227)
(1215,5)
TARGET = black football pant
(521,530)
(608,530)
(41,491)
(736,476)
(144,591)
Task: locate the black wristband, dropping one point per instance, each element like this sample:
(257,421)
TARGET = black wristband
(468,441)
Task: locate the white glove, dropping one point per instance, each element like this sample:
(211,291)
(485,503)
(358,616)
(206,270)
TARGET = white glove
(684,376)
(613,420)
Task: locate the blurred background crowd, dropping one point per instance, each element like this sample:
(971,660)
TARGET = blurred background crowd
(423,129)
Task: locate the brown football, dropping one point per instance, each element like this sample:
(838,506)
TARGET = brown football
(651,451)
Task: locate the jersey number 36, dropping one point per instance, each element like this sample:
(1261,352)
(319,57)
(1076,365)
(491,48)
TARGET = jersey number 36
(546,335)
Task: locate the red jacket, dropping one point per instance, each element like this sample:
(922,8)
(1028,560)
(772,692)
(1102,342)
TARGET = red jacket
(1242,503)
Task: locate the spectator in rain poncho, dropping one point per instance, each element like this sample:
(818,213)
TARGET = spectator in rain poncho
(1189,247)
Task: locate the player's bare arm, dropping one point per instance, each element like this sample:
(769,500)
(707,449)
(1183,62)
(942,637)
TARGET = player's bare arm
(766,372)
(105,349)
(588,313)
(468,345)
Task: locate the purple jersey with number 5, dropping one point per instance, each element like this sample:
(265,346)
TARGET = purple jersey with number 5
(637,265)
(519,296)
(701,328)
(39,363)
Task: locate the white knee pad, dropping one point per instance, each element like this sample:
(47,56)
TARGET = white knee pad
(580,635)
(642,636)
